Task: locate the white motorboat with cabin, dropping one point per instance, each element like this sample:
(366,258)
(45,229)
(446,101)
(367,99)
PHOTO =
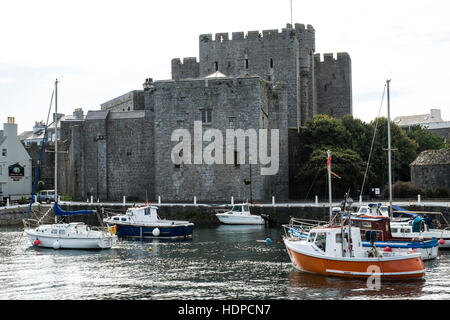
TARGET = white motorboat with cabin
(239,214)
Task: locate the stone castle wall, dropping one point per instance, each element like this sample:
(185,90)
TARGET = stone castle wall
(234,103)
(333,84)
(133,100)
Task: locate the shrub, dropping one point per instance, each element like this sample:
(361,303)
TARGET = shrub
(441,192)
(402,189)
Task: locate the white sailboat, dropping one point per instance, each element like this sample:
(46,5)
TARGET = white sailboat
(75,235)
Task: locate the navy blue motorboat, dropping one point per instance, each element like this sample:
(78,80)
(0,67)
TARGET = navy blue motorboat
(143,222)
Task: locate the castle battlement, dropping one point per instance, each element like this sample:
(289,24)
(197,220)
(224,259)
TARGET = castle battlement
(270,34)
(186,60)
(329,57)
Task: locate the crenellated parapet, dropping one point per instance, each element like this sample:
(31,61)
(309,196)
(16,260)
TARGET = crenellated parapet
(189,68)
(333,83)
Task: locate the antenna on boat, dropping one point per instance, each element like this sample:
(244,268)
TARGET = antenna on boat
(389,147)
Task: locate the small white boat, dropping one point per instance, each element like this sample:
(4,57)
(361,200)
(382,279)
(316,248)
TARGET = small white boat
(239,214)
(74,235)
(144,222)
(418,228)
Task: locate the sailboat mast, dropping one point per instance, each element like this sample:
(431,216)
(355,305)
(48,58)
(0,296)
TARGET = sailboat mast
(329,182)
(389,147)
(56,140)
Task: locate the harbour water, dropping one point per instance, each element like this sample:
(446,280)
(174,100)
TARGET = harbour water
(219,262)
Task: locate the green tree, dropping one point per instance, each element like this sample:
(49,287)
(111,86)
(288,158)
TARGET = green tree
(345,163)
(323,130)
(404,152)
(425,139)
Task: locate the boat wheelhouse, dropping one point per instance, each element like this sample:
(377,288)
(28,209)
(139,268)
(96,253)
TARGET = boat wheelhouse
(144,222)
(239,214)
(428,247)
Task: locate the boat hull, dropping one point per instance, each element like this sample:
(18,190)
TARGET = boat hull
(148,231)
(428,249)
(239,219)
(48,241)
(395,268)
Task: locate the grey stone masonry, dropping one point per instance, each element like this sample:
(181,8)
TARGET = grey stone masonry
(286,55)
(235,103)
(189,68)
(133,100)
(333,84)
(111,156)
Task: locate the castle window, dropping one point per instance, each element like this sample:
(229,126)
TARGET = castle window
(246,63)
(271,62)
(236,164)
(216,65)
(206,116)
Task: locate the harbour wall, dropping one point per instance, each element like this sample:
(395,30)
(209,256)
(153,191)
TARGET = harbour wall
(201,214)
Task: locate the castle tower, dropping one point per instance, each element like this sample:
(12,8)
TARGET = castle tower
(286,56)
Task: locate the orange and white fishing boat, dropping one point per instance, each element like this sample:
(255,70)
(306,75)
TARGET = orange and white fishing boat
(337,250)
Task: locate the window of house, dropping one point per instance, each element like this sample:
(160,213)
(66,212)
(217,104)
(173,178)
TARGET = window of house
(4,152)
(206,116)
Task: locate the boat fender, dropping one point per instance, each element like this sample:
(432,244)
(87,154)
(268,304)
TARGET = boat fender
(56,245)
(149,249)
(156,232)
(441,241)
(268,240)
(37,242)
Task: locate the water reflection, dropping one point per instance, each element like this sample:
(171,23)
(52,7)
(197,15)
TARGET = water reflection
(223,262)
(309,285)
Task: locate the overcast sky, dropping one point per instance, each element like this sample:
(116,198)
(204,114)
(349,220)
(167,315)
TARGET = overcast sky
(102,49)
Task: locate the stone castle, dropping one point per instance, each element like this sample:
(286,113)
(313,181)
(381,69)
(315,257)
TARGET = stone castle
(268,80)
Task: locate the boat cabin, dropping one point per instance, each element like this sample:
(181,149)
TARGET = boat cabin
(404,227)
(334,241)
(242,209)
(138,214)
(367,224)
(373,209)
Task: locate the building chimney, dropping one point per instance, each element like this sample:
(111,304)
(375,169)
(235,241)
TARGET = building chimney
(435,114)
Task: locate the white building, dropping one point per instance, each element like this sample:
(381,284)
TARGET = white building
(15,165)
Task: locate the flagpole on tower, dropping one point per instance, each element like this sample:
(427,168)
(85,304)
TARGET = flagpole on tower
(291,12)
